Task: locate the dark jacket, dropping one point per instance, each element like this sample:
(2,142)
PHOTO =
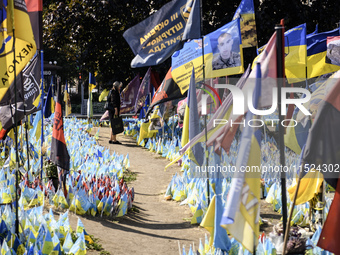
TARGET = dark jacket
(114,98)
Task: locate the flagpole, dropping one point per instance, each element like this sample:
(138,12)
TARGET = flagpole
(15,133)
(280,76)
(26,131)
(286,231)
(205,116)
(42,111)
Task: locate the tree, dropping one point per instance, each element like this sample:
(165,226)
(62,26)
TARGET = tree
(87,35)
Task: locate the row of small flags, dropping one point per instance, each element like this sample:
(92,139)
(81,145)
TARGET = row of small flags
(94,186)
(192,191)
(41,233)
(266,246)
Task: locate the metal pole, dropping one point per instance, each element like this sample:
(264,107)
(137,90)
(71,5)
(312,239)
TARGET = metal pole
(42,111)
(286,231)
(205,116)
(280,82)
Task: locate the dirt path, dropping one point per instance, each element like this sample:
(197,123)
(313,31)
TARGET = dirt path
(157,225)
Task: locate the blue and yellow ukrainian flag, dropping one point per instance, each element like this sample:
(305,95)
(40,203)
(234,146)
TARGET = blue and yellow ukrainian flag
(246,13)
(14,17)
(92,81)
(241,213)
(48,244)
(296,53)
(92,85)
(316,54)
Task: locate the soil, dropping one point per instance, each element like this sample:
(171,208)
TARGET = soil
(154,226)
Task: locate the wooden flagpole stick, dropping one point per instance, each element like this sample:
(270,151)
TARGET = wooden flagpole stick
(205,116)
(285,240)
(42,111)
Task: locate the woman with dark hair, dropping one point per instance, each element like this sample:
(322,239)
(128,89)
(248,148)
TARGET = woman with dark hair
(114,98)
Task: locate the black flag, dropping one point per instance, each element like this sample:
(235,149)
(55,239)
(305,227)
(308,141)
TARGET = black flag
(28,92)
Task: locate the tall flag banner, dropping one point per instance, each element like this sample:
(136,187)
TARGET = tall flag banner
(323,150)
(155,119)
(331,228)
(323,142)
(246,13)
(192,29)
(143,110)
(223,56)
(92,82)
(242,212)
(167,91)
(14,15)
(34,9)
(224,137)
(155,81)
(129,94)
(59,154)
(157,37)
(28,79)
(194,124)
(143,92)
(92,85)
(211,221)
(103,95)
(296,136)
(185,129)
(316,54)
(296,54)
(53,101)
(333,50)
(67,100)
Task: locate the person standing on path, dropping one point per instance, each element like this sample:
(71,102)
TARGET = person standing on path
(114,98)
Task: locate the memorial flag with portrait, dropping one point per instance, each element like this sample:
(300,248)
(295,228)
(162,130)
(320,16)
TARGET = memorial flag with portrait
(155,39)
(223,56)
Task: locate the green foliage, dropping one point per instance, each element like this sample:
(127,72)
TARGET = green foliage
(2,162)
(95,97)
(75,98)
(129,176)
(50,169)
